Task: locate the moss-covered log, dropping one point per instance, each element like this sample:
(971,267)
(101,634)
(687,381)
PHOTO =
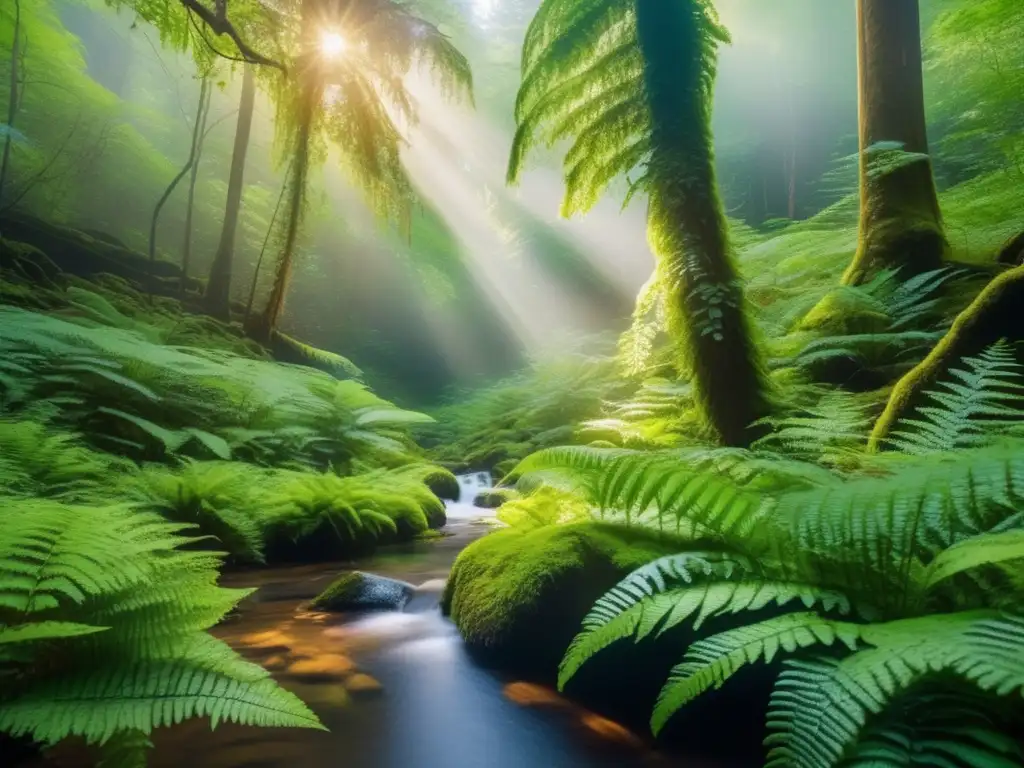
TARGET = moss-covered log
(900,220)
(993,315)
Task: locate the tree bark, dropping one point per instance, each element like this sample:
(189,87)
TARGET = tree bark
(688,230)
(218,288)
(13,98)
(262,330)
(900,221)
(995,314)
(197,154)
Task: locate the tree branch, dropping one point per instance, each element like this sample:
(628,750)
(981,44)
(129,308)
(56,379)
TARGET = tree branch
(217,21)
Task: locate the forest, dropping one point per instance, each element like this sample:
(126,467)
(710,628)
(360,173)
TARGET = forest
(504,383)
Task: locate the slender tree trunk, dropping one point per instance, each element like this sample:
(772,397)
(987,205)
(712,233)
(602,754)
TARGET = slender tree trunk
(263,250)
(900,221)
(688,231)
(197,154)
(264,329)
(218,288)
(13,97)
(181,174)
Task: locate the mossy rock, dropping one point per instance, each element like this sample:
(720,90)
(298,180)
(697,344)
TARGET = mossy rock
(843,312)
(443,484)
(358,591)
(493,498)
(504,468)
(518,599)
(509,583)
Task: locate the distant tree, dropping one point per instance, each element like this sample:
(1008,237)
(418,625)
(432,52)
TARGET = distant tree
(197,130)
(13,100)
(900,220)
(630,83)
(218,287)
(345,87)
(198,140)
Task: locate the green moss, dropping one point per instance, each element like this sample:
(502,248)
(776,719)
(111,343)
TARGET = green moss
(520,596)
(343,589)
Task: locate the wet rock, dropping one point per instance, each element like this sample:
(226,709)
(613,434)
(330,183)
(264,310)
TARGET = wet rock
(358,591)
(270,640)
(361,683)
(327,666)
(275,663)
(493,498)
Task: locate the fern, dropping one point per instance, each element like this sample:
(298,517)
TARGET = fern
(710,662)
(109,616)
(820,707)
(976,402)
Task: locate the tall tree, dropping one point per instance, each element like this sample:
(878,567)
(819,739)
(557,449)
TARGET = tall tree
(218,288)
(900,221)
(13,99)
(346,87)
(198,139)
(197,128)
(630,83)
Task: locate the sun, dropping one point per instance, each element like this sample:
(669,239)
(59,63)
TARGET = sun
(332,44)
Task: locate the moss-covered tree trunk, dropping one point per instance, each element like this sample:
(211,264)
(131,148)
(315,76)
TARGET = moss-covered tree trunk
(995,314)
(900,221)
(687,227)
(218,287)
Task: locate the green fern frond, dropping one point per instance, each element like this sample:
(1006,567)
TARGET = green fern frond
(638,603)
(983,550)
(820,707)
(710,662)
(977,403)
(97,703)
(936,727)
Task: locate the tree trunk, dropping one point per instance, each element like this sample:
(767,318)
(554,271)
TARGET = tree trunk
(263,328)
(900,221)
(218,288)
(12,103)
(197,154)
(688,231)
(995,314)
(181,174)
(263,249)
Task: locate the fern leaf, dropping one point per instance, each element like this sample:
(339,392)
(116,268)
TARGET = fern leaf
(45,630)
(627,609)
(97,703)
(710,662)
(820,707)
(986,549)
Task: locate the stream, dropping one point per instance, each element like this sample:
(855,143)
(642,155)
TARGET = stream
(395,690)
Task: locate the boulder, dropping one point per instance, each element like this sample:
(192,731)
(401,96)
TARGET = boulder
(358,591)
(493,498)
(518,598)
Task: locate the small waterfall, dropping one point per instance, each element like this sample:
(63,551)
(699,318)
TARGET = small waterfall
(470,485)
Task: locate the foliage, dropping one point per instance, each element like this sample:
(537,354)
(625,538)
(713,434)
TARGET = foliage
(102,630)
(891,588)
(135,396)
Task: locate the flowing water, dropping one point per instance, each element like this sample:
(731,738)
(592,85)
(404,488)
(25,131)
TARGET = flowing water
(395,690)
